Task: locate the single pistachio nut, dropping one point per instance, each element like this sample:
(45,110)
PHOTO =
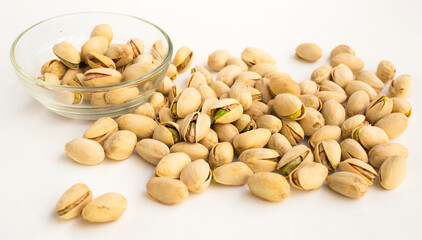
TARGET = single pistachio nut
(342,75)
(69,76)
(288,106)
(145,109)
(50,78)
(194,150)
(122,54)
(330,95)
(226,132)
(220,154)
(256,138)
(220,88)
(98,99)
(67,54)
(225,111)
(167,132)
(206,91)
(309,176)
(172,72)
(137,70)
(142,126)
(378,154)
(69,97)
(120,145)
(312,101)
(312,121)
(207,103)
(196,79)
(357,103)
(72,201)
(248,77)
(269,122)
(331,87)
(121,95)
(232,174)
(186,102)
(369,136)
(341,49)
(392,172)
(279,143)
(355,86)
(371,79)
(158,101)
(360,168)
(260,159)
(145,58)
(252,56)
(308,87)
(393,124)
(386,71)
(350,148)
(183,59)
(152,150)
(85,151)
(97,44)
(239,62)
(309,52)
(292,130)
(101,77)
(257,109)
(204,72)
(137,46)
(269,186)
(196,176)
(321,74)
(101,129)
(401,86)
(351,123)
(328,153)
(95,60)
(245,123)
(158,50)
(379,108)
(172,165)
(325,133)
(218,59)
(280,82)
(352,61)
(175,90)
(166,190)
(195,126)
(210,139)
(55,67)
(228,74)
(263,68)
(103,30)
(165,86)
(348,184)
(262,85)
(295,157)
(401,105)
(240,91)
(333,113)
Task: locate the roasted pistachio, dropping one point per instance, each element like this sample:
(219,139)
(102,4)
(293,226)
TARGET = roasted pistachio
(348,184)
(67,54)
(152,150)
(282,83)
(188,101)
(95,60)
(357,103)
(248,77)
(172,165)
(194,150)
(165,86)
(172,72)
(204,72)
(167,190)
(292,131)
(158,50)
(269,122)
(262,85)
(279,143)
(98,99)
(369,136)
(269,186)
(101,129)
(321,74)
(401,105)
(168,133)
(330,95)
(257,109)
(103,30)
(240,91)
(245,123)
(353,62)
(228,74)
(105,208)
(256,138)
(55,67)
(73,201)
(263,68)
(220,88)
(379,108)
(210,139)
(312,101)
(252,56)
(122,54)
(85,151)
(121,95)
(312,121)
(325,133)
(333,113)
(341,49)
(331,86)
(50,78)
(226,131)
(378,154)
(342,75)
(401,86)
(233,174)
(328,153)
(308,87)
(350,148)
(393,124)
(386,71)
(183,59)
(392,172)
(120,145)
(309,176)
(355,86)
(309,52)
(142,126)
(196,79)
(351,123)
(360,168)
(195,126)
(97,44)
(225,111)
(196,176)
(101,77)
(145,109)
(137,46)
(371,79)
(218,59)
(220,154)
(260,159)
(239,62)
(289,107)
(295,157)
(69,76)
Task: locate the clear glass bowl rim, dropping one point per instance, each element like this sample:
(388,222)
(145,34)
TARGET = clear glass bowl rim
(100,88)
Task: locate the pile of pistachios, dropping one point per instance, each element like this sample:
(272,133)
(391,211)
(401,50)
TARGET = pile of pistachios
(265,118)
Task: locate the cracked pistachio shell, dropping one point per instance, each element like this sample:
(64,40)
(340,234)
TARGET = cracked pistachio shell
(166,190)
(309,176)
(137,70)
(98,99)
(165,86)
(248,77)
(333,113)
(252,56)
(325,133)
(207,103)
(308,87)
(158,101)
(256,138)
(328,95)
(269,186)
(386,71)
(392,172)
(220,154)
(379,108)
(239,62)
(279,143)
(122,54)
(342,75)
(206,91)
(257,109)
(292,131)
(105,208)
(158,50)
(245,123)
(352,61)
(378,154)
(69,76)
(228,74)
(232,174)
(401,105)
(263,68)
(297,156)
(313,121)
(218,59)
(164,115)
(341,49)
(332,87)
(312,101)
(401,86)
(97,44)
(204,72)
(357,103)
(371,79)
(186,102)
(77,80)
(393,124)
(348,184)
(85,151)
(195,126)
(194,150)
(351,123)
(350,148)
(95,60)
(226,132)
(175,90)
(240,91)
(196,176)
(121,95)
(355,86)
(280,82)
(289,107)
(167,132)
(360,168)
(145,109)
(262,85)
(101,77)
(101,129)
(269,122)
(220,88)
(172,165)
(142,126)
(225,110)
(72,201)
(172,72)
(152,150)
(120,145)
(369,136)
(328,153)
(309,52)
(55,67)
(67,54)
(260,159)
(137,46)
(256,94)
(196,79)
(321,74)
(103,30)
(183,59)
(210,139)
(50,78)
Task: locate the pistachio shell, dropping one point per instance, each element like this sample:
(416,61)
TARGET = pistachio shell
(353,62)
(122,54)
(262,85)
(137,70)
(55,67)
(393,124)
(312,121)
(67,54)
(228,74)
(252,56)
(245,123)
(218,59)
(195,126)
(311,101)
(297,156)
(226,110)
(172,165)
(239,62)
(350,148)
(351,123)
(121,95)
(321,74)
(392,172)
(220,88)
(210,139)
(328,153)
(341,49)
(257,109)
(325,133)
(360,168)
(188,101)
(401,105)
(355,86)
(342,75)
(279,143)
(309,52)
(263,68)
(332,87)
(137,46)
(308,87)
(174,92)
(233,174)
(167,132)
(206,91)
(172,72)
(333,113)
(142,126)
(95,60)
(386,71)
(256,138)
(240,91)
(260,159)
(167,190)
(105,208)
(101,129)
(309,176)
(196,79)
(269,122)
(330,95)
(69,76)
(348,184)
(85,151)
(378,154)
(371,79)
(158,50)
(101,77)
(120,145)
(204,72)
(269,186)
(146,58)
(379,108)
(183,59)
(226,132)
(220,154)
(207,103)
(50,78)
(289,107)
(97,44)
(282,83)
(196,176)
(357,103)
(165,86)
(152,150)
(194,150)
(103,30)
(292,131)
(98,99)
(401,86)
(73,201)
(145,109)
(370,136)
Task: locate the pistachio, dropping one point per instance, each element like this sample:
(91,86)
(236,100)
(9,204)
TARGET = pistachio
(172,165)
(348,184)
(309,176)
(220,88)
(122,54)
(379,108)
(145,58)
(121,95)
(321,74)
(357,103)
(260,159)
(72,201)
(328,153)
(292,131)
(183,59)
(145,109)
(220,154)
(401,105)
(194,150)
(245,123)
(289,107)
(167,132)
(186,102)
(252,56)
(370,136)
(120,145)
(240,91)
(371,79)
(228,74)
(311,101)
(263,68)
(103,30)
(67,54)
(355,86)
(204,72)
(218,59)
(206,91)
(196,79)
(262,85)
(210,139)
(95,60)
(225,111)
(279,143)
(333,113)
(325,133)
(137,70)
(360,168)
(172,72)
(158,50)
(98,99)
(341,49)
(282,83)
(308,87)
(295,157)
(167,190)
(269,186)
(85,151)
(309,52)
(137,46)
(239,62)
(353,62)
(69,97)
(165,86)
(175,90)
(158,101)
(50,78)
(342,75)
(105,208)
(97,44)
(195,126)
(401,86)
(386,71)
(248,77)
(330,95)
(269,122)
(142,126)
(393,124)
(207,103)
(392,172)
(152,150)
(196,176)
(233,174)
(312,121)
(256,138)
(101,77)
(226,132)
(257,109)
(350,148)
(351,123)
(101,129)
(55,67)
(378,154)
(332,87)
(69,76)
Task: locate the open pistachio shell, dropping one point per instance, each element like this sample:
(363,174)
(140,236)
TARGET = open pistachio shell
(204,72)
(400,105)
(97,44)
(328,153)
(351,123)
(168,133)
(253,55)
(309,176)
(321,74)
(172,72)
(172,165)
(348,184)
(260,159)
(55,67)
(312,101)
(393,124)
(280,82)
(67,54)
(210,139)
(220,154)
(226,111)
(196,176)
(50,78)
(73,201)
(194,150)
(195,126)
(158,50)
(269,186)
(256,138)
(137,46)
(232,174)
(325,133)
(183,59)
(186,102)
(378,154)
(360,168)
(379,108)
(295,157)
(312,121)
(95,60)
(350,148)
(289,107)
(101,77)
(207,103)
(369,136)
(292,131)
(196,79)
(240,91)
(279,143)
(245,123)
(392,172)
(101,129)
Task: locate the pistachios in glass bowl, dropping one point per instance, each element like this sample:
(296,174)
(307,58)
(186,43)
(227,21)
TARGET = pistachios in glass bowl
(92,64)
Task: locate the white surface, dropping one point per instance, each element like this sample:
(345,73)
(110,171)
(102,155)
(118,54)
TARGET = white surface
(35,171)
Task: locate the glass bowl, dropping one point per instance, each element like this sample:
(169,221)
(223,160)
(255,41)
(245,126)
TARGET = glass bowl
(33,47)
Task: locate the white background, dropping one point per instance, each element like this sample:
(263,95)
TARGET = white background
(34,170)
